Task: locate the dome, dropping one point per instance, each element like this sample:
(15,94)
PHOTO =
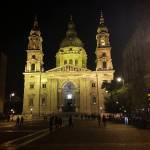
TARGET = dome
(71,41)
(71,38)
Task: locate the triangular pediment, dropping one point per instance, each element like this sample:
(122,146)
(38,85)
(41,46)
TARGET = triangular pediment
(69,68)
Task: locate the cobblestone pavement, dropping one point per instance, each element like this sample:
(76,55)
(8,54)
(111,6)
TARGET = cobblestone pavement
(86,135)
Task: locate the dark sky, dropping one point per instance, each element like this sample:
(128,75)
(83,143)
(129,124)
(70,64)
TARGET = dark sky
(16,20)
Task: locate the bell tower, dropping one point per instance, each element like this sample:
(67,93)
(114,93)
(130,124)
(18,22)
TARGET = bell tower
(103,48)
(35,54)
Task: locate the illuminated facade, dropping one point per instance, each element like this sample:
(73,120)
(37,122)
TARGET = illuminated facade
(71,86)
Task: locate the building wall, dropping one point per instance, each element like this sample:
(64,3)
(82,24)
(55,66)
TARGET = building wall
(136,64)
(55,81)
(3,65)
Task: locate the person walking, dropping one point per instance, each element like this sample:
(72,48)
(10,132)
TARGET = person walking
(60,122)
(17,121)
(99,120)
(126,120)
(104,120)
(51,123)
(21,121)
(56,122)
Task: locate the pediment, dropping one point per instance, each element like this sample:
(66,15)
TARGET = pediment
(69,68)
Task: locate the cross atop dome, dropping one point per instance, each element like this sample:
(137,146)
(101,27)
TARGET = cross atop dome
(35,24)
(101,18)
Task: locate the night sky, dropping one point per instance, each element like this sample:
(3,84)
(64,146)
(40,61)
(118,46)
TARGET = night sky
(16,21)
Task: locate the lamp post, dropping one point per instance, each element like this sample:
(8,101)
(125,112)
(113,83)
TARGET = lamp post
(10,96)
(120,79)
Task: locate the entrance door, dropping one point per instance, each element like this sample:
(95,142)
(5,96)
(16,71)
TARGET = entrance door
(69,97)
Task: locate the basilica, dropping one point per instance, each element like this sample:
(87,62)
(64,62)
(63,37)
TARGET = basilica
(70,86)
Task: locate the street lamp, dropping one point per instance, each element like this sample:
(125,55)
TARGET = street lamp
(11,95)
(119,79)
(9,103)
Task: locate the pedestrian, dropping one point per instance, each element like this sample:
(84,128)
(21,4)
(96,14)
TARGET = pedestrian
(60,122)
(70,121)
(17,121)
(126,120)
(104,120)
(50,123)
(8,118)
(56,122)
(99,120)
(21,121)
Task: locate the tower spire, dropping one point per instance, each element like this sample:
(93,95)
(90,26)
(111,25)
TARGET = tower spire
(101,18)
(71,32)
(71,17)
(35,25)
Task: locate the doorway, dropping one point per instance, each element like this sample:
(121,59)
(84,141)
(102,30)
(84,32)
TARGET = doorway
(68,92)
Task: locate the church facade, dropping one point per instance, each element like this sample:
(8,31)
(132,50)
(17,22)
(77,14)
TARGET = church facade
(71,86)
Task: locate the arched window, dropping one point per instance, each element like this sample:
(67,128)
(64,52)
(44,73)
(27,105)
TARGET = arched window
(65,62)
(33,67)
(43,101)
(104,65)
(76,62)
(31,102)
(70,61)
(93,84)
(93,100)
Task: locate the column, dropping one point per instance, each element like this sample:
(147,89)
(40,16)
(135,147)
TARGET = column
(60,100)
(88,97)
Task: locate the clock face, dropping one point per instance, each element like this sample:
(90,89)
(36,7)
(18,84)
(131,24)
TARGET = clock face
(102,42)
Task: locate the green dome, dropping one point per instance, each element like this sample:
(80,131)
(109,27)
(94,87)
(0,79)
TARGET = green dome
(71,38)
(72,41)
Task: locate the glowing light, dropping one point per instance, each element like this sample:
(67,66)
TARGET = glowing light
(100,108)
(12,94)
(69,96)
(119,79)
(102,42)
(117,102)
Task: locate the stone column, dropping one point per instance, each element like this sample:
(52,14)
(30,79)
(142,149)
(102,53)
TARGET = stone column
(82,95)
(60,100)
(50,96)
(88,97)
